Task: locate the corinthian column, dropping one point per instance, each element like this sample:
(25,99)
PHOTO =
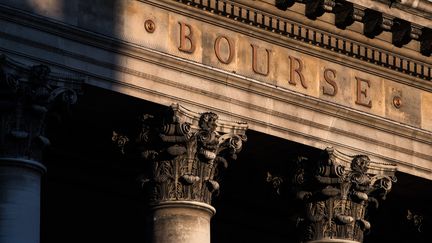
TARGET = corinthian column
(186,152)
(26,94)
(337,191)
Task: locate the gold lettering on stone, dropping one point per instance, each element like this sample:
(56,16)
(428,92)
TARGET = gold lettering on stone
(296,70)
(255,68)
(186,38)
(231,49)
(362,93)
(329,77)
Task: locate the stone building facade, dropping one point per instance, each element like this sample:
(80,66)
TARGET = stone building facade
(218,121)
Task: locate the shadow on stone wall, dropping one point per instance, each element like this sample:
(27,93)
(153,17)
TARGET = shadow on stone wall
(91,194)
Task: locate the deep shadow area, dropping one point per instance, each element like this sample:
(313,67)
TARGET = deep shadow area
(390,220)
(248,208)
(91,192)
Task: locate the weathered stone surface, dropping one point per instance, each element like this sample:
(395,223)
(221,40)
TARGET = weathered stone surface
(20,187)
(181,222)
(26,96)
(185,152)
(336,191)
(152,67)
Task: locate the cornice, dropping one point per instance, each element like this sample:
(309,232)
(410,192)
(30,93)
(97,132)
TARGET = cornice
(114,45)
(218,76)
(405,7)
(270,21)
(330,53)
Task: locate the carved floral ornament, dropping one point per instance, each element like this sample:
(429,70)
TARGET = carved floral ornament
(336,192)
(186,151)
(27,94)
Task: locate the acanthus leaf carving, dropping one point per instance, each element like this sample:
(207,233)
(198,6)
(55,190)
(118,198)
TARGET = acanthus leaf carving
(186,151)
(27,94)
(348,185)
(336,191)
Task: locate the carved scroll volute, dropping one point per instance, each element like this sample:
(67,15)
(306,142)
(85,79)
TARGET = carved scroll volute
(26,95)
(337,193)
(186,151)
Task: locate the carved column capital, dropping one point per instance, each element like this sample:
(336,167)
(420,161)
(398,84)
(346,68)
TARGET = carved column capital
(336,191)
(26,95)
(186,151)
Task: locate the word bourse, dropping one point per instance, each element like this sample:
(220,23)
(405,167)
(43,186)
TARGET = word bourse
(187,44)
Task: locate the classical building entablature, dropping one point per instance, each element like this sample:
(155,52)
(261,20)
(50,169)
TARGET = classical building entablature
(374,22)
(282,85)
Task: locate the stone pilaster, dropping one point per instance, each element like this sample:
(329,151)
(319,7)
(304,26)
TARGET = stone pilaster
(26,95)
(187,152)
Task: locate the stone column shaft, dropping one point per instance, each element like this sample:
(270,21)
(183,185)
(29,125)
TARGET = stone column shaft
(181,222)
(20,187)
(26,96)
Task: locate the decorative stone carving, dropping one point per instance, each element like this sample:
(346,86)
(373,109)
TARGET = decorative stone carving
(373,21)
(328,5)
(336,192)
(315,8)
(415,220)
(358,13)
(387,23)
(186,151)
(401,32)
(426,42)
(26,95)
(416,31)
(344,14)
(284,4)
